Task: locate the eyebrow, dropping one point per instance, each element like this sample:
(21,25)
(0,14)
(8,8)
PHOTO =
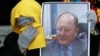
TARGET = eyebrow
(64,27)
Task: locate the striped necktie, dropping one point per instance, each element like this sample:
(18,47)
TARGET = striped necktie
(65,51)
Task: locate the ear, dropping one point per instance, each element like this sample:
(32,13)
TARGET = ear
(76,31)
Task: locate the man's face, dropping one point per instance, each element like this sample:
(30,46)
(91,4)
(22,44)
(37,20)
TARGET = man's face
(66,30)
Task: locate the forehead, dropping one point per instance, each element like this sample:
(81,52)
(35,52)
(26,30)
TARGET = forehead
(66,20)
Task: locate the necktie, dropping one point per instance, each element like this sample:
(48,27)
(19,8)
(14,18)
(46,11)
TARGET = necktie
(65,51)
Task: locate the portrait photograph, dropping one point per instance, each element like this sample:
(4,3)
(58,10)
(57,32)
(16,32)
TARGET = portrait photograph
(66,28)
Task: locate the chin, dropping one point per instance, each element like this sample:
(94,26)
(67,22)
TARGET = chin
(63,43)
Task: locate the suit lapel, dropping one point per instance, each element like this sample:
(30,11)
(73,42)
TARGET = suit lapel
(56,49)
(78,48)
(74,50)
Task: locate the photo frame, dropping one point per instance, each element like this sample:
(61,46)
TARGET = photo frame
(52,10)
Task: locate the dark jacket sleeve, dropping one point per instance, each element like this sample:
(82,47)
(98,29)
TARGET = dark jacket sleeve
(10,47)
(94,42)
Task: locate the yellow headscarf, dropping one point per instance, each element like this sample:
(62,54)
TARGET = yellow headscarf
(29,8)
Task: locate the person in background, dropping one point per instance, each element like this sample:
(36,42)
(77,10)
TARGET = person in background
(27,36)
(94,33)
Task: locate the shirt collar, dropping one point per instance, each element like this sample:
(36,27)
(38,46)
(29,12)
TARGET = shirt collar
(69,47)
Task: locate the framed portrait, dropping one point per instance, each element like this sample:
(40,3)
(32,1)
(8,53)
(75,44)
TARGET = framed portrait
(51,12)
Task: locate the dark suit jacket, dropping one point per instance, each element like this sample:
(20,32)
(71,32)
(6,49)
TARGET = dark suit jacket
(53,49)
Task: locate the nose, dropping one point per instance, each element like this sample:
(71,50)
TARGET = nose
(62,32)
